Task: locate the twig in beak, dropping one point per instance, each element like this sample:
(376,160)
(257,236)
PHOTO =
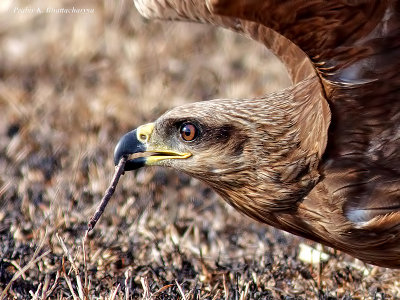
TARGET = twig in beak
(119,170)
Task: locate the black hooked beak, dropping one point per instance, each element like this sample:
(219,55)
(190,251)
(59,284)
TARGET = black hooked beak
(129,144)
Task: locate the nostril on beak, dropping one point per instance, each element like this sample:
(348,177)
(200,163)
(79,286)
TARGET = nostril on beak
(143,138)
(144,132)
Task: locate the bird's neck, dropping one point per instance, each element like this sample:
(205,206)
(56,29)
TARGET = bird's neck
(281,158)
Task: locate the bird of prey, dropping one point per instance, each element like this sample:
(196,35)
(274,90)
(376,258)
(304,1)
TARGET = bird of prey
(319,159)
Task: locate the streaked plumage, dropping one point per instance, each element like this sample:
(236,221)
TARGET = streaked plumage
(319,159)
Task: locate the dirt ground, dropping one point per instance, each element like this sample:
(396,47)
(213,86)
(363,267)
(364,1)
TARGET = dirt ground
(70,85)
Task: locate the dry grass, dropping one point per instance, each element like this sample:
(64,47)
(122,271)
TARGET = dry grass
(71,85)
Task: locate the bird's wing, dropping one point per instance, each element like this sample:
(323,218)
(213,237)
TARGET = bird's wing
(203,11)
(326,31)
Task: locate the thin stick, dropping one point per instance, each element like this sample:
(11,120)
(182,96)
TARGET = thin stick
(119,170)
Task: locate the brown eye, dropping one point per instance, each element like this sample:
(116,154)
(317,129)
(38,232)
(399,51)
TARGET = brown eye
(188,132)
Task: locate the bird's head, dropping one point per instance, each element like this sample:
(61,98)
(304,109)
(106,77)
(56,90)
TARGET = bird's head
(206,140)
(255,152)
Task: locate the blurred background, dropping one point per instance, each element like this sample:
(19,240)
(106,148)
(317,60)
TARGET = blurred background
(71,83)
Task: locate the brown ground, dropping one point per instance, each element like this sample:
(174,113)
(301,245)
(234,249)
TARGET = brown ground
(70,86)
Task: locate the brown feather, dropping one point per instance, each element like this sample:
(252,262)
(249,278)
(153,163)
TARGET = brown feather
(321,158)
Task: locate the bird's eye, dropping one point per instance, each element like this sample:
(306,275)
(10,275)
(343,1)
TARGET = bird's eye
(188,132)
